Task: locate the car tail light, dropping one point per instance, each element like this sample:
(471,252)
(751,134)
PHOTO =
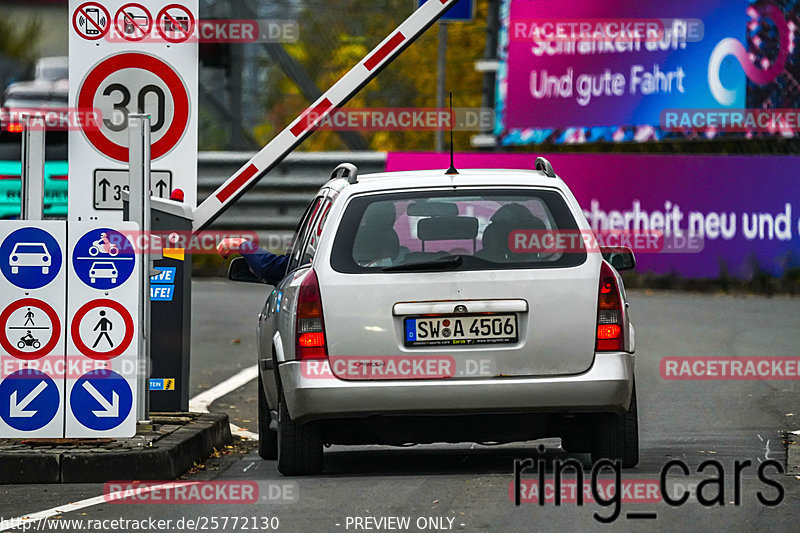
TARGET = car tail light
(14,128)
(310,326)
(610,337)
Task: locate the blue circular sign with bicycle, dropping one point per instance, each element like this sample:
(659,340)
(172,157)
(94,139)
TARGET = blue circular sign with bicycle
(30,258)
(103,259)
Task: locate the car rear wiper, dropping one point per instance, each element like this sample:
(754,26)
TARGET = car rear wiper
(450,261)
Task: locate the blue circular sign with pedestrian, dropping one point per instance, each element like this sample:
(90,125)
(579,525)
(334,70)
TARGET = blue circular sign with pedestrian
(30,258)
(29,400)
(103,259)
(101,400)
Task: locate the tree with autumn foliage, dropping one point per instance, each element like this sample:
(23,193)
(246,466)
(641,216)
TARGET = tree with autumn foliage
(335,36)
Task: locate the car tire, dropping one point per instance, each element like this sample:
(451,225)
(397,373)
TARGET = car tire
(299,445)
(267,439)
(616,437)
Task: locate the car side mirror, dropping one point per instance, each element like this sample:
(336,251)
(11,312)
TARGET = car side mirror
(239,270)
(620,257)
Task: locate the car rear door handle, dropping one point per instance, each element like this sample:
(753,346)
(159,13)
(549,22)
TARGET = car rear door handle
(459,306)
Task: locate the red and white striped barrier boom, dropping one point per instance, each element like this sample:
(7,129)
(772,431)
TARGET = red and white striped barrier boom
(344,89)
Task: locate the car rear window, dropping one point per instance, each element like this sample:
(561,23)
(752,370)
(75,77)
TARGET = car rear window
(30,249)
(454,230)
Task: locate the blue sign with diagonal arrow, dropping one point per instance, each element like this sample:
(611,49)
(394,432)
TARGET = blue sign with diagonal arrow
(29,400)
(101,400)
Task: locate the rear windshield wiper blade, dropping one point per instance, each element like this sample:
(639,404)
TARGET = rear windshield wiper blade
(451,261)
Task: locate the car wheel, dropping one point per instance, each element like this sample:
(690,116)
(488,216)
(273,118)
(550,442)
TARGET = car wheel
(299,445)
(617,436)
(267,439)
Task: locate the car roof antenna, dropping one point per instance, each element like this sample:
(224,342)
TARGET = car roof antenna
(452,170)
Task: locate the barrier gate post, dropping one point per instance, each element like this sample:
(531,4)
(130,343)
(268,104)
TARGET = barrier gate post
(32,176)
(139,211)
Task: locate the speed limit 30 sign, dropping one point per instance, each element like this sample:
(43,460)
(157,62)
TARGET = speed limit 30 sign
(133,69)
(140,82)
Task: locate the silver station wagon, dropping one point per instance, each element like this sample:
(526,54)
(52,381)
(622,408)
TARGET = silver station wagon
(415,310)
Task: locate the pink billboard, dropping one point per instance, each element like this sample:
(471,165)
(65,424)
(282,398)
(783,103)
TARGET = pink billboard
(744,209)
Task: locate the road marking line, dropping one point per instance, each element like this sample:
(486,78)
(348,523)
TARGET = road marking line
(77,506)
(201,402)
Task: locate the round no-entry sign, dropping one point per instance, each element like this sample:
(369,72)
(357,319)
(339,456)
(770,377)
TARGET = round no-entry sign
(134,82)
(29,329)
(102,329)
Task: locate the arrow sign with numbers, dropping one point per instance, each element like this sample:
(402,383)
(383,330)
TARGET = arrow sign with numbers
(110,184)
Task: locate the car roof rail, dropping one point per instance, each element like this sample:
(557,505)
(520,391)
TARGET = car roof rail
(543,165)
(348,171)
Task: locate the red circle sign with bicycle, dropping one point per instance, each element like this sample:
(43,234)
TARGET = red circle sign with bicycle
(134,82)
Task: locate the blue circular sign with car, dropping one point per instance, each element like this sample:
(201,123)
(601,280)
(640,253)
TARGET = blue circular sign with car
(30,258)
(103,259)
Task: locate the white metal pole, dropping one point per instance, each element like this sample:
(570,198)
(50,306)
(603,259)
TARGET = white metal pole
(441,79)
(32,176)
(139,211)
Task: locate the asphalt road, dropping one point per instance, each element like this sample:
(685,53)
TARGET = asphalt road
(466,487)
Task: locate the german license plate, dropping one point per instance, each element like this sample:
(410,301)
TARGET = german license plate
(460,330)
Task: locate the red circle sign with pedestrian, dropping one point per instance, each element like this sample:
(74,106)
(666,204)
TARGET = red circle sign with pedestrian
(175,23)
(30,329)
(91,21)
(134,82)
(134,22)
(102,329)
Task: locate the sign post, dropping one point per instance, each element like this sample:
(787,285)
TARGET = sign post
(32,305)
(140,213)
(126,59)
(104,292)
(32,170)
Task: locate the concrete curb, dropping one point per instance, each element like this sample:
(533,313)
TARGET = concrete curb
(166,459)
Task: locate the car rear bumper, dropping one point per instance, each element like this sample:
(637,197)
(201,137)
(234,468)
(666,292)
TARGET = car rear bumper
(605,387)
